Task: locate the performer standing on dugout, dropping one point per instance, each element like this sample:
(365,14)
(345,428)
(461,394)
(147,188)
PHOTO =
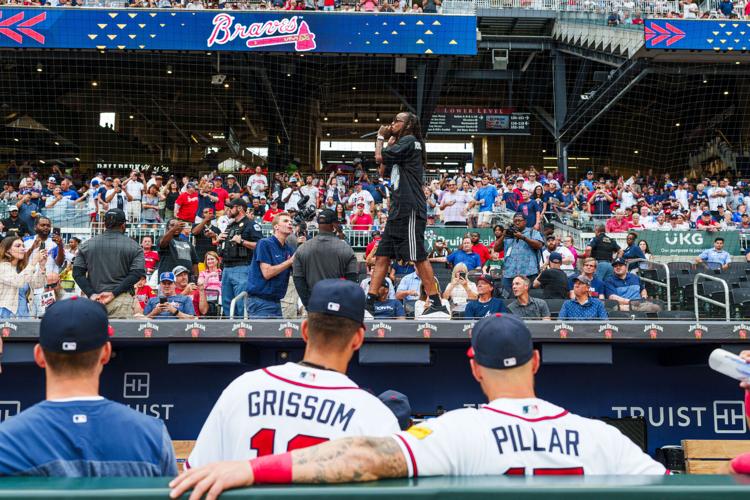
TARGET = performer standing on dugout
(403,161)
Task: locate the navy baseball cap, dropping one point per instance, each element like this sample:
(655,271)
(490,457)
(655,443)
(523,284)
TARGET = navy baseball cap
(555,257)
(705,213)
(166,277)
(115,216)
(327,216)
(582,279)
(341,298)
(74,325)
(399,404)
(501,341)
(619,262)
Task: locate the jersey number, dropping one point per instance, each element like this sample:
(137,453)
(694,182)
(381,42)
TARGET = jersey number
(541,471)
(262,442)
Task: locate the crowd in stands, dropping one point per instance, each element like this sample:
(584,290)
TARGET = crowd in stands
(209,246)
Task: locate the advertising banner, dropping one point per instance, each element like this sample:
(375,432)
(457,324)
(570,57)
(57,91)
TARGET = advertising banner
(688,243)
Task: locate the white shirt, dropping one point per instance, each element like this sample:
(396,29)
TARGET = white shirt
(313,193)
(363,196)
(294,197)
(286,407)
(113,201)
(566,254)
(457,211)
(134,189)
(530,186)
(257,184)
(714,202)
(627,200)
(681,195)
(520,436)
(49,245)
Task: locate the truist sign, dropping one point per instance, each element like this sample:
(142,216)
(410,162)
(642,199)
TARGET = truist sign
(282,31)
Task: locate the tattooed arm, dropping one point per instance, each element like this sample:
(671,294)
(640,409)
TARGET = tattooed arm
(352,459)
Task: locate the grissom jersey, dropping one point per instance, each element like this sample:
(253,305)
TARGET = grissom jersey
(286,407)
(520,437)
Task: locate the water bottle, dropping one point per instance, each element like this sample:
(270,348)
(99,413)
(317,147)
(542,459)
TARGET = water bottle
(729,364)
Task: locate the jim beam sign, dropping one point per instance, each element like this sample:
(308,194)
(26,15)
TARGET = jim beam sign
(468,327)
(608,329)
(148,328)
(427,330)
(741,330)
(380,329)
(242,329)
(697,330)
(564,330)
(653,330)
(6,328)
(288,328)
(195,329)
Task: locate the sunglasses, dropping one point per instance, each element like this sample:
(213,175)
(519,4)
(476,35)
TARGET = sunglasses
(52,285)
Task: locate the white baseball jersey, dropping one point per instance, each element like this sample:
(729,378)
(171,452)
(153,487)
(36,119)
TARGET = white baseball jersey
(520,437)
(286,407)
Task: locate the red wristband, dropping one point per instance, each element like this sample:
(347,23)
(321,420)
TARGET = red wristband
(272,469)
(741,464)
(747,404)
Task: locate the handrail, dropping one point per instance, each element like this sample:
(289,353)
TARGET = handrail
(667,285)
(242,295)
(724,305)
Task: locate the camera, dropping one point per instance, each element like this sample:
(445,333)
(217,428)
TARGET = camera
(462,276)
(305,215)
(511,230)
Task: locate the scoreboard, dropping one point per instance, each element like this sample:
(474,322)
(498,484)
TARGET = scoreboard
(478,121)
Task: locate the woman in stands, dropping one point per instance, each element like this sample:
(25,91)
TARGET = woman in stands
(18,277)
(422,304)
(460,290)
(211,278)
(646,250)
(341,214)
(170,192)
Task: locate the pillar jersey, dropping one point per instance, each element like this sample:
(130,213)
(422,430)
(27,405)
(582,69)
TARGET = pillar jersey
(284,408)
(520,437)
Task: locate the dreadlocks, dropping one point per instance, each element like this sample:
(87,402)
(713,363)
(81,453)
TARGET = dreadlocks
(413,127)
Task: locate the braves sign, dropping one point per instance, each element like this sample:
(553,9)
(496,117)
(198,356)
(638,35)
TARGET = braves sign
(267,34)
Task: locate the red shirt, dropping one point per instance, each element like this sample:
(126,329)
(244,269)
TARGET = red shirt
(361,222)
(222,194)
(188,206)
(370,246)
(613,226)
(143,294)
(482,251)
(270,213)
(196,300)
(152,259)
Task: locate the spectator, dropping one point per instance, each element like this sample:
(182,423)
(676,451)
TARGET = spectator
(553,280)
(14,225)
(237,245)
(150,256)
(53,292)
(17,276)
(485,200)
(169,304)
(460,290)
(408,290)
(55,251)
(206,198)
(439,252)
(272,212)
(205,234)
(360,221)
(311,192)
(269,271)
(524,306)
(116,197)
(109,265)
(361,196)
(62,436)
(376,237)
(494,264)
(186,204)
(196,292)
(143,292)
(257,184)
(454,205)
(133,185)
(326,256)
(365,284)
(603,249)
(716,257)
(643,245)
(568,243)
(618,224)
(210,277)
(554,246)
(660,224)
(292,196)
(170,192)
(150,206)
(175,248)
(521,246)
(222,195)
(478,247)
(485,304)
(465,255)
(423,304)
(632,250)
(596,286)
(581,306)
(258,209)
(707,223)
(387,308)
(531,210)
(624,287)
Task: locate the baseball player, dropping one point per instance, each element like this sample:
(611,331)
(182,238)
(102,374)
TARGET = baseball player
(516,433)
(741,464)
(296,405)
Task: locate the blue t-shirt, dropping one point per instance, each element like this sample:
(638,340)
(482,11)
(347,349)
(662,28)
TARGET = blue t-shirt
(183,303)
(488,193)
(390,308)
(596,288)
(628,288)
(472,260)
(85,438)
(477,309)
(269,251)
(714,259)
(529,209)
(72,194)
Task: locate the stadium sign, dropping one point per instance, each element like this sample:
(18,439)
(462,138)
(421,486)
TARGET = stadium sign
(703,34)
(688,243)
(309,32)
(478,121)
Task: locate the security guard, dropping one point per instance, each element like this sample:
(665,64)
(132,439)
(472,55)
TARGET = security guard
(324,257)
(236,245)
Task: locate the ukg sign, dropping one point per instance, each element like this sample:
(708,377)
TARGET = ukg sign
(323,32)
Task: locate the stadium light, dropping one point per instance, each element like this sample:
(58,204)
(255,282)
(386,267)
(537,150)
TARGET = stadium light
(635,152)
(356,118)
(39,68)
(169,69)
(226,85)
(131,117)
(354,88)
(325,117)
(726,92)
(16,139)
(377,117)
(94,83)
(677,124)
(57,143)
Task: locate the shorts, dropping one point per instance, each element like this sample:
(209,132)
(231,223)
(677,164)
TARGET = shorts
(485,217)
(404,239)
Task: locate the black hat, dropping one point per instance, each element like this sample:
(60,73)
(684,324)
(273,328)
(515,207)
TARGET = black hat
(327,216)
(619,262)
(74,325)
(114,216)
(399,404)
(501,341)
(238,202)
(341,298)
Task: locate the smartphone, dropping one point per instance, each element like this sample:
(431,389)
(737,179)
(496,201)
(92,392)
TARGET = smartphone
(56,231)
(462,276)
(42,245)
(162,300)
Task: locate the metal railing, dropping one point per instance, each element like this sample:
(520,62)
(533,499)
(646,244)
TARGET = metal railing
(239,297)
(697,297)
(667,285)
(644,7)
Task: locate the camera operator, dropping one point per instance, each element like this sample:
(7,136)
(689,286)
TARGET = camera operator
(175,248)
(326,256)
(205,234)
(236,245)
(522,246)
